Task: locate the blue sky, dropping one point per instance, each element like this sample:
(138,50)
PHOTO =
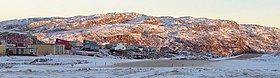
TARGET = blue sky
(263,12)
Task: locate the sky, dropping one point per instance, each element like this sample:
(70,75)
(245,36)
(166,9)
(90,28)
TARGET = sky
(262,12)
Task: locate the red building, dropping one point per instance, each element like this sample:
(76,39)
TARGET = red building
(67,44)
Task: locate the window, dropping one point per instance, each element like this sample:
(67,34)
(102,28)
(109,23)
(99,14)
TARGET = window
(61,49)
(17,51)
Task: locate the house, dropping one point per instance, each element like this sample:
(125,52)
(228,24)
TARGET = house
(88,43)
(19,41)
(76,45)
(151,49)
(90,46)
(14,39)
(3,42)
(18,44)
(138,56)
(134,47)
(66,43)
(47,49)
(118,46)
(108,46)
(130,47)
(166,50)
(2,50)
(10,45)
(154,49)
(21,51)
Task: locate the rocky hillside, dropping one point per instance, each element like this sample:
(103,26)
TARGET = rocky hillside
(215,36)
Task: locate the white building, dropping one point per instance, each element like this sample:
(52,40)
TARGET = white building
(135,47)
(118,46)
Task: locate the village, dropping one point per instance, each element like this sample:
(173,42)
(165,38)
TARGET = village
(13,45)
(26,57)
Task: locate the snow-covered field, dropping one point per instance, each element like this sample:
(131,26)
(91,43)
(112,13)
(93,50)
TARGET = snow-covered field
(66,66)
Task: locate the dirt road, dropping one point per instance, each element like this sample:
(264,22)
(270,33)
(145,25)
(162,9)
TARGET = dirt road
(180,63)
(165,63)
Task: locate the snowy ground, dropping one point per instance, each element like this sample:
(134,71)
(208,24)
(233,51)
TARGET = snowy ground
(266,66)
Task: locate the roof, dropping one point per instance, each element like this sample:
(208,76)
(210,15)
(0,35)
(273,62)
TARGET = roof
(136,45)
(2,45)
(46,44)
(57,40)
(91,43)
(117,43)
(21,48)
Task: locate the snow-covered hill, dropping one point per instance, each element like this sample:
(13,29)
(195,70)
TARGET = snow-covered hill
(184,33)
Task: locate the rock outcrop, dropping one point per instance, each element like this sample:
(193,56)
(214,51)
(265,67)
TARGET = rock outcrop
(214,36)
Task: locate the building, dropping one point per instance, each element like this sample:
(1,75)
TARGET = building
(166,50)
(21,51)
(47,49)
(10,45)
(3,47)
(88,43)
(76,45)
(2,50)
(3,42)
(90,46)
(133,47)
(66,43)
(108,46)
(138,56)
(118,46)
(14,39)
(151,49)
(154,49)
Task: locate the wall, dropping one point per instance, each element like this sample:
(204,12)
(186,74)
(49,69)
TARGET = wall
(67,44)
(45,49)
(59,49)
(22,51)
(2,49)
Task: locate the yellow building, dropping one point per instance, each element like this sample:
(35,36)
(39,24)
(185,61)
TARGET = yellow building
(2,50)
(47,49)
